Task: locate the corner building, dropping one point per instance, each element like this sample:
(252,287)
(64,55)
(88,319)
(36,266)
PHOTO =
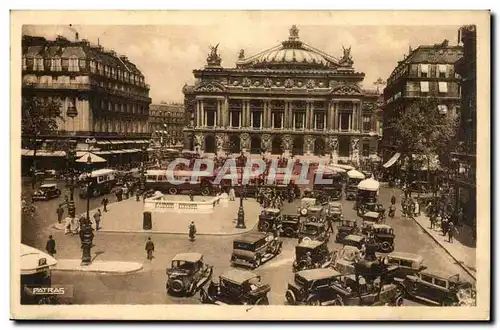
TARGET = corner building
(292,98)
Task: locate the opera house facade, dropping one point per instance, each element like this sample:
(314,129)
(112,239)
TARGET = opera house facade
(290,99)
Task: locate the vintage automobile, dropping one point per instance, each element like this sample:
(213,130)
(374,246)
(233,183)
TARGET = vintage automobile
(407,264)
(290,224)
(334,211)
(354,240)
(318,251)
(438,289)
(324,287)
(236,287)
(305,203)
(371,207)
(267,219)
(351,192)
(253,249)
(372,217)
(345,259)
(313,231)
(345,228)
(47,191)
(188,274)
(384,237)
(316,213)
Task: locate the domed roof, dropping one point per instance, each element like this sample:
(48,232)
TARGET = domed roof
(291,52)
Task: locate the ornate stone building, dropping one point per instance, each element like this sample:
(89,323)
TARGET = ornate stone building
(292,98)
(166,121)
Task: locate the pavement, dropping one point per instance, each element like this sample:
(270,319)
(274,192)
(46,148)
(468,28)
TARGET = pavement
(464,255)
(126,217)
(114,267)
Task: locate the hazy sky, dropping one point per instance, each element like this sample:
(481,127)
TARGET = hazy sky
(167,54)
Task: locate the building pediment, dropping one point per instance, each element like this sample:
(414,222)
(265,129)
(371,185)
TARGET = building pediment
(210,87)
(346,90)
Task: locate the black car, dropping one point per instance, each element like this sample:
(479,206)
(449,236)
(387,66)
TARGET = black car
(188,274)
(46,192)
(315,231)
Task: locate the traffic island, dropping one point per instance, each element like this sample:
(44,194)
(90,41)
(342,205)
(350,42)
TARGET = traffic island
(112,267)
(127,217)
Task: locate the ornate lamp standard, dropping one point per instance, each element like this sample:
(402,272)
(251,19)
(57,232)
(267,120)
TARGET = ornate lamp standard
(71,112)
(241,212)
(143,169)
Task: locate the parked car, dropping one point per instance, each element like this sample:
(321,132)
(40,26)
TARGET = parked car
(345,259)
(290,224)
(316,213)
(313,231)
(351,192)
(324,287)
(254,249)
(346,227)
(236,287)
(46,192)
(438,289)
(267,219)
(384,237)
(188,274)
(334,211)
(354,240)
(318,251)
(373,217)
(372,207)
(407,264)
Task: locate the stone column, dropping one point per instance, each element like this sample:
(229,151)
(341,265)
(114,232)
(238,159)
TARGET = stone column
(226,112)
(311,110)
(219,113)
(360,116)
(198,110)
(202,114)
(335,123)
(248,114)
(290,115)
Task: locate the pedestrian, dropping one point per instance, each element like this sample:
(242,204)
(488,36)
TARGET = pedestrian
(192,231)
(60,213)
(330,225)
(451,229)
(51,246)
(393,199)
(125,191)
(97,219)
(432,218)
(416,208)
(137,196)
(232,194)
(444,225)
(150,247)
(244,191)
(309,261)
(104,203)
(191,196)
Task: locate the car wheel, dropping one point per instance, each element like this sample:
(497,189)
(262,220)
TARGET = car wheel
(257,262)
(290,297)
(338,301)
(265,226)
(385,246)
(172,191)
(399,301)
(401,289)
(314,302)
(176,286)
(205,191)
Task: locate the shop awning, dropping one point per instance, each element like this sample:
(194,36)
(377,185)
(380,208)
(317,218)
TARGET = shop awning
(31,260)
(129,141)
(103,142)
(103,152)
(117,142)
(43,153)
(393,160)
(369,185)
(93,158)
(353,174)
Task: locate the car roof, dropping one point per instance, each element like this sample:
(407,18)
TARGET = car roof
(48,185)
(437,273)
(318,273)
(310,244)
(238,276)
(349,220)
(315,224)
(188,257)
(272,210)
(315,207)
(381,225)
(335,204)
(405,255)
(251,237)
(355,238)
(371,214)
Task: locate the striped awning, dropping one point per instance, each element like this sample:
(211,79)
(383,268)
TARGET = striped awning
(103,142)
(117,142)
(42,153)
(393,160)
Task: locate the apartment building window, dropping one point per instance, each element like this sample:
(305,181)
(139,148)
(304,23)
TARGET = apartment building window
(92,65)
(116,107)
(424,70)
(113,73)
(367,123)
(366,149)
(210,117)
(38,64)
(99,67)
(73,65)
(299,120)
(235,118)
(256,119)
(319,120)
(424,86)
(24,63)
(110,106)
(443,87)
(83,63)
(277,119)
(345,121)
(443,70)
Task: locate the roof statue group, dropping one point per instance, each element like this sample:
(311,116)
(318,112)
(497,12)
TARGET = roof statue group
(290,51)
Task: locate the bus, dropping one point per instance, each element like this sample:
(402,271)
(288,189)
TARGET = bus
(101,182)
(36,276)
(159,180)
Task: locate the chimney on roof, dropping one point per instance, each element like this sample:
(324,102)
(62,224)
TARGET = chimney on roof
(445,43)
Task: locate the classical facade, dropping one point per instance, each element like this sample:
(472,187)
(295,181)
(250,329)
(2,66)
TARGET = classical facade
(464,176)
(107,89)
(427,71)
(292,98)
(166,121)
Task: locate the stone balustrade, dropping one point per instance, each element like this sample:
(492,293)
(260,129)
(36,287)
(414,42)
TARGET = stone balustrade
(160,204)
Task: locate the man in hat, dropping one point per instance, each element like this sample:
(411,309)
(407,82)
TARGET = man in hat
(150,247)
(60,213)
(104,203)
(97,219)
(51,246)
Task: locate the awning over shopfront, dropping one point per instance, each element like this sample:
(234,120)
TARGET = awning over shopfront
(93,158)
(129,141)
(392,161)
(117,142)
(369,185)
(103,142)
(353,174)
(42,153)
(103,152)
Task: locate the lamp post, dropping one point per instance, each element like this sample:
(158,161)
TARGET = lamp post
(71,112)
(241,214)
(86,232)
(90,143)
(143,169)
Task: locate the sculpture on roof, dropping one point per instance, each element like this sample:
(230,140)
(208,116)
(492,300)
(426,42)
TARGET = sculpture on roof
(346,60)
(241,55)
(214,58)
(294,33)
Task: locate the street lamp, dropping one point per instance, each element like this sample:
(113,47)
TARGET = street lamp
(241,213)
(86,234)
(90,143)
(71,112)
(143,169)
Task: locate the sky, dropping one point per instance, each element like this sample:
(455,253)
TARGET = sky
(167,54)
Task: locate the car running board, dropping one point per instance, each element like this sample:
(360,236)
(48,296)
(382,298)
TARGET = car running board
(427,300)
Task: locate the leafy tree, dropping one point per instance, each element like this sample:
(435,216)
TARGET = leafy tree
(422,129)
(38,118)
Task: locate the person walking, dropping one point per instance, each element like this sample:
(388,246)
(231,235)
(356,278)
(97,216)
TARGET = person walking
(150,247)
(125,191)
(97,219)
(329,222)
(231,194)
(416,207)
(51,246)
(192,231)
(444,225)
(104,203)
(191,196)
(393,199)
(451,229)
(60,213)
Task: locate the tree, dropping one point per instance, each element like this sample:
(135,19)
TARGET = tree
(38,118)
(422,129)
